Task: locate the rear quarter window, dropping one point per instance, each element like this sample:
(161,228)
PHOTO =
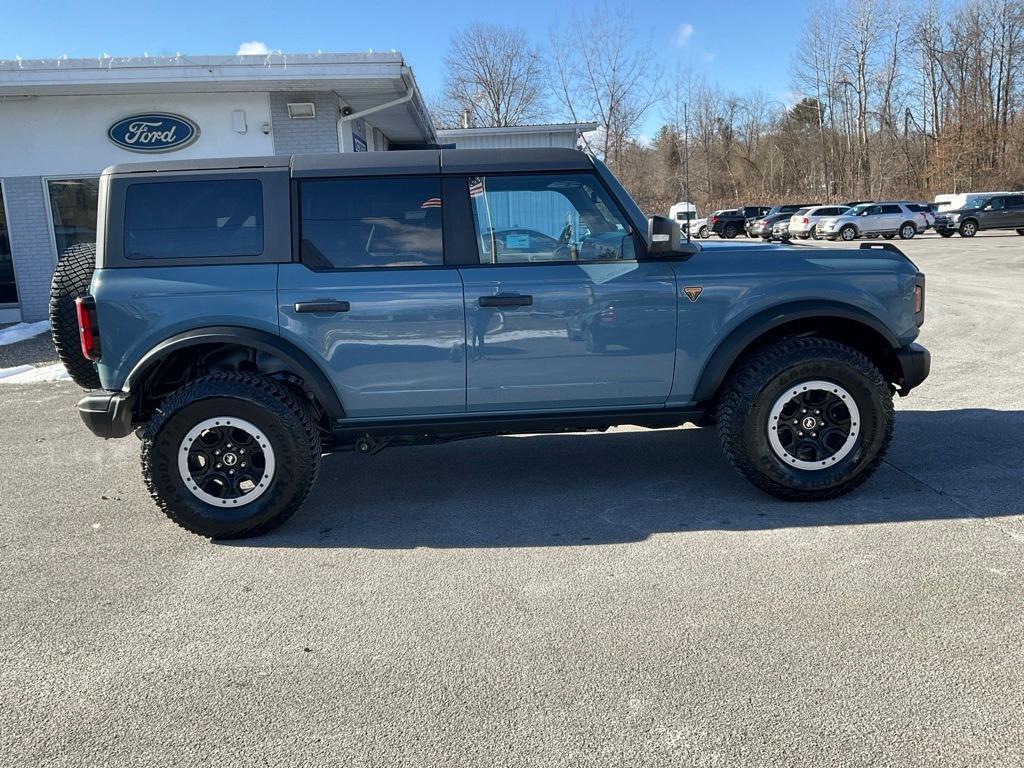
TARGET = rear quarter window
(193,219)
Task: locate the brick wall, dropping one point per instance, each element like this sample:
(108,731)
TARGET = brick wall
(297,137)
(31,244)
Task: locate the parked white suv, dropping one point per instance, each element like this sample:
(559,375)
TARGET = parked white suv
(804,223)
(870,219)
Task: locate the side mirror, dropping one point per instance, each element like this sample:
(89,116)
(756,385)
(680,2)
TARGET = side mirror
(662,235)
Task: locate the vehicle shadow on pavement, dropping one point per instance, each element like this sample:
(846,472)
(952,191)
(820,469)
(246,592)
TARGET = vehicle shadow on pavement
(586,489)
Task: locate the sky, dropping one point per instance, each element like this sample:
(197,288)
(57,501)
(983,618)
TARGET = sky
(727,43)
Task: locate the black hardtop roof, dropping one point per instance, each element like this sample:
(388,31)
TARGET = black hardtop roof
(399,162)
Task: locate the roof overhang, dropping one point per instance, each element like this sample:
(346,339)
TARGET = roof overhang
(574,128)
(361,80)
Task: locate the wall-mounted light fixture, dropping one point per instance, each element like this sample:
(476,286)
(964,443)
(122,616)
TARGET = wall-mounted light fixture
(305,110)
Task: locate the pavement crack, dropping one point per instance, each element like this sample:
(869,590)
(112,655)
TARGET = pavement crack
(973,513)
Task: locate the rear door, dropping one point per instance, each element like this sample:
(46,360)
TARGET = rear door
(892,217)
(1015,211)
(560,311)
(371,297)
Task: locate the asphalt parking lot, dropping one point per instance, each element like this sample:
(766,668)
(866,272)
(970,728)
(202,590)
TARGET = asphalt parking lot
(616,599)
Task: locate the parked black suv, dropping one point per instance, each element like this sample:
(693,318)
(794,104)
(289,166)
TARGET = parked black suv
(996,212)
(729,226)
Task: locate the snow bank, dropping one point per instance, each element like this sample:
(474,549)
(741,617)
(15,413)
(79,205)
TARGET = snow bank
(27,374)
(15,333)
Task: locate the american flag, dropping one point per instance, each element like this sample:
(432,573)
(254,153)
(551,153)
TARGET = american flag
(433,202)
(476,187)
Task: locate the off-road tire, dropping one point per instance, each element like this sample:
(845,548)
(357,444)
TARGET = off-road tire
(759,380)
(968,228)
(278,412)
(71,279)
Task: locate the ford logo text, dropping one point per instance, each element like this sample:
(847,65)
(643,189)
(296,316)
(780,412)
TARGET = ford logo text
(157,132)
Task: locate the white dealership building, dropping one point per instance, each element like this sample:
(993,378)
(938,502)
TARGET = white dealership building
(63,120)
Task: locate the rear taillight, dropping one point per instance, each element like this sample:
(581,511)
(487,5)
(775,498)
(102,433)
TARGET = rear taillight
(714,219)
(804,220)
(88,330)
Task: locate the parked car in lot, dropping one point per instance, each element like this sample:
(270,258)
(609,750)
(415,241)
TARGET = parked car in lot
(997,212)
(780,230)
(960,200)
(246,316)
(804,223)
(728,225)
(701,228)
(872,219)
(683,213)
(763,226)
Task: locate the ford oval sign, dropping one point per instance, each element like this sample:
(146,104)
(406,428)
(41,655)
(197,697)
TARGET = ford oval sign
(156,132)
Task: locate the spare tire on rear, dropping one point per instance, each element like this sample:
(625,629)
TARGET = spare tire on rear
(71,279)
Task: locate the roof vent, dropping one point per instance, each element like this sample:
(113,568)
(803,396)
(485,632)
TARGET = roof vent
(305,110)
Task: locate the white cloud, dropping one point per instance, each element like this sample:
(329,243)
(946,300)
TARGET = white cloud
(253,48)
(708,56)
(683,34)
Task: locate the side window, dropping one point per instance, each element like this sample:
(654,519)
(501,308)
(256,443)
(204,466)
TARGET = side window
(368,223)
(891,209)
(194,219)
(547,218)
(997,203)
(1015,201)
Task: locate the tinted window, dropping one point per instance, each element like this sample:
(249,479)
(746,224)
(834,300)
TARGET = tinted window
(1015,201)
(365,223)
(891,209)
(996,203)
(194,219)
(547,218)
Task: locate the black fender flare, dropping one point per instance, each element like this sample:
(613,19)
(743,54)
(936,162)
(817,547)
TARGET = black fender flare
(756,326)
(297,361)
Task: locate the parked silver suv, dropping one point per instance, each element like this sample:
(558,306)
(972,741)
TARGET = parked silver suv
(805,225)
(886,219)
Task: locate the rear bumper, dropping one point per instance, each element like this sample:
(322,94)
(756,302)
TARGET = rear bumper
(108,414)
(915,363)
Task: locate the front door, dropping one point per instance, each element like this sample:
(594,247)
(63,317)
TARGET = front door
(372,299)
(560,313)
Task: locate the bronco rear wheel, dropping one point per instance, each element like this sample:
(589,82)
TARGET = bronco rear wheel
(230,455)
(806,419)
(71,279)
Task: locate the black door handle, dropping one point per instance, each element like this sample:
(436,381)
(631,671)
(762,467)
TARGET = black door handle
(327,307)
(506,301)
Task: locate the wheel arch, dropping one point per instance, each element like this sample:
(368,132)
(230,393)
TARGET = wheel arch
(194,341)
(834,320)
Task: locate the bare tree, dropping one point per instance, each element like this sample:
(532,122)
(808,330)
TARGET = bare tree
(494,77)
(602,75)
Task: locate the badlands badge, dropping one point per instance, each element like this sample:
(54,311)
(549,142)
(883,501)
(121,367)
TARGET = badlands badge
(693,291)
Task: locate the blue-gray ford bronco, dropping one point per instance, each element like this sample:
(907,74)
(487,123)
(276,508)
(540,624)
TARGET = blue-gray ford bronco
(245,316)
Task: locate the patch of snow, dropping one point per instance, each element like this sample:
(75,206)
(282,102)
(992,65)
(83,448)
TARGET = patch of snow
(15,333)
(27,374)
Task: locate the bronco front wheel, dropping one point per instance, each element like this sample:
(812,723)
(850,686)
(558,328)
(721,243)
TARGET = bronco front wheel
(806,419)
(230,455)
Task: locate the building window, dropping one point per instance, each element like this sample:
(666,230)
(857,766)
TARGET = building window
(367,223)
(73,205)
(8,288)
(194,219)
